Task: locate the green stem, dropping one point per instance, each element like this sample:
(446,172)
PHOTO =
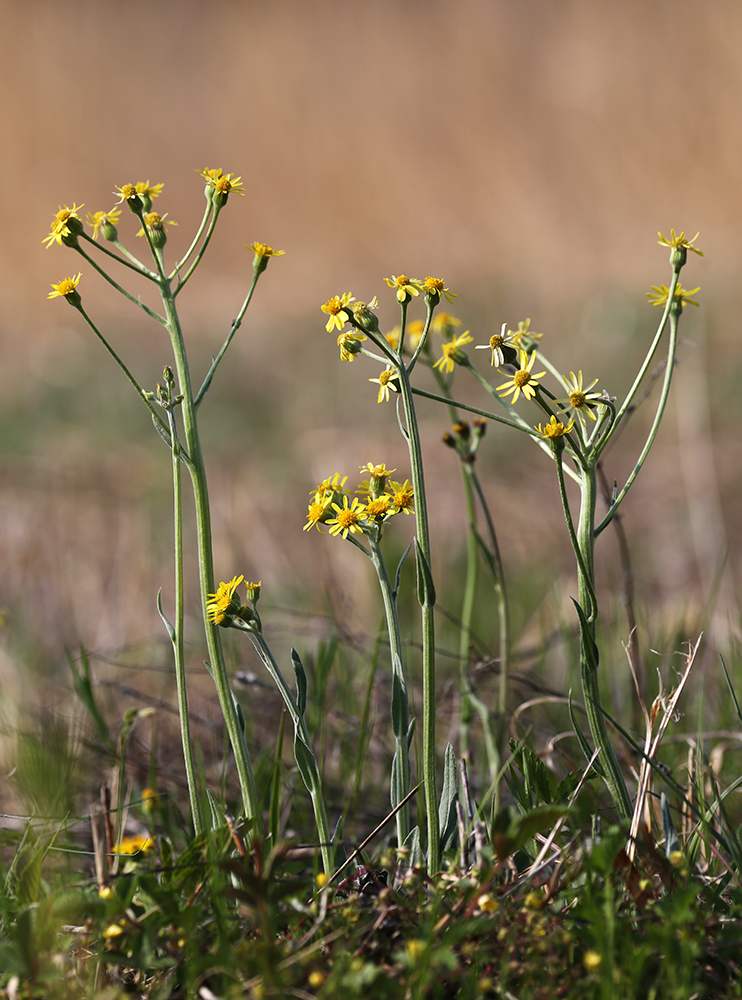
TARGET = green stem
(467,613)
(400,785)
(671,351)
(592,609)
(179,632)
(235,327)
(205,556)
(132,262)
(318,803)
(196,238)
(127,295)
(199,255)
(590,686)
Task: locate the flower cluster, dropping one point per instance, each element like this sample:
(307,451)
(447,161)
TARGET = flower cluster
(381,497)
(225,608)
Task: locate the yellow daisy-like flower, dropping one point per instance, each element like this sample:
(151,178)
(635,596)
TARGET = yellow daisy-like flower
(317,513)
(350,344)
(377,471)
(524,335)
(219,603)
(156,223)
(406,287)
(435,287)
(333,484)
(65,288)
(386,382)
(554,428)
(524,381)
(210,174)
(146,190)
(444,323)
(228,184)
(262,249)
(132,845)
(349,518)
(127,192)
(337,310)
(403,496)
(497,342)
(102,219)
(447,361)
(379,508)
(62,225)
(658,295)
(580,400)
(681,242)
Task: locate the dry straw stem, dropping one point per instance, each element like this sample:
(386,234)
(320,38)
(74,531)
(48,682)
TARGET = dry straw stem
(651,745)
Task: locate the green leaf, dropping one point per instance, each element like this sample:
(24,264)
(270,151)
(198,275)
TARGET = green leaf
(447,821)
(306,762)
(511,829)
(581,738)
(398,574)
(589,646)
(301,682)
(425,586)
(168,626)
(412,843)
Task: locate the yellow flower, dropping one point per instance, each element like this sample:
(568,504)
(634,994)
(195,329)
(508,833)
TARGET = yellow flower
(435,288)
(403,496)
(66,287)
(350,344)
(524,336)
(592,960)
(210,175)
(262,249)
(333,484)
(112,931)
(386,382)
(496,344)
(146,190)
(448,359)
(554,428)
(317,513)
(659,293)
(228,184)
(523,381)
(132,845)
(443,323)
(63,225)
(348,518)
(155,223)
(337,309)
(380,507)
(580,400)
(102,220)
(679,241)
(127,192)
(406,287)
(219,603)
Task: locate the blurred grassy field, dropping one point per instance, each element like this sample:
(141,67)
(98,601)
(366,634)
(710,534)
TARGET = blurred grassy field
(527,152)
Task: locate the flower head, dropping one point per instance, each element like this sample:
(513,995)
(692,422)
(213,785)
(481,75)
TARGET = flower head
(348,519)
(403,496)
(220,603)
(498,342)
(679,242)
(406,288)
(105,222)
(128,193)
(146,192)
(449,357)
(523,381)
(132,845)
(554,429)
(386,382)
(380,507)
(580,400)
(524,337)
(364,315)
(67,289)
(435,288)
(658,295)
(263,253)
(350,344)
(318,512)
(224,185)
(210,174)
(156,223)
(333,484)
(444,323)
(338,311)
(66,226)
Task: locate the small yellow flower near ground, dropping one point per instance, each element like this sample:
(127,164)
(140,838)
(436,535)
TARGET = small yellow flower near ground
(658,295)
(112,931)
(435,287)
(132,845)
(580,400)
(321,880)
(348,518)
(316,979)
(337,309)
(406,288)
(415,949)
(386,382)
(448,359)
(496,344)
(64,224)
(106,892)
(679,241)
(488,903)
(592,960)
(554,428)
(524,381)
(65,287)
(149,799)
(219,603)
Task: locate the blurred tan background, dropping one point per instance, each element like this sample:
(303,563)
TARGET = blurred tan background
(526,151)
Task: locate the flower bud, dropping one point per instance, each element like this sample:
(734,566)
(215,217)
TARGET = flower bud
(109,231)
